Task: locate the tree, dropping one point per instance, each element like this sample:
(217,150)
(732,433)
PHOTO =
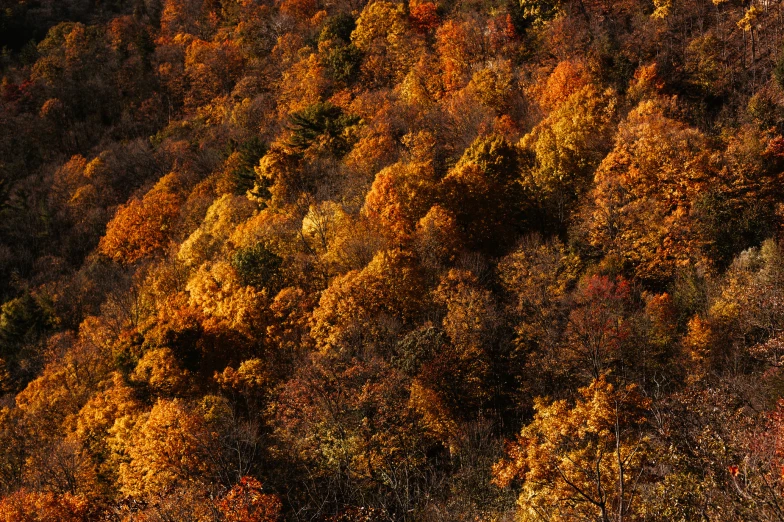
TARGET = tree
(245,502)
(239,165)
(67,382)
(31,506)
(737,211)
(716,456)
(22,323)
(386,206)
(560,154)
(324,125)
(15,448)
(289,332)
(471,317)
(459,44)
(400,196)
(566,79)
(437,238)
(159,370)
(342,62)
(539,277)
(761,480)
(258,266)
(222,217)
(424,17)
(252,380)
(213,69)
(362,307)
(582,461)
(597,329)
(495,86)
(141,228)
(384,36)
(180,16)
(98,415)
(538,12)
(341,58)
(744,314)
(279,179)
(483,193)
(305,83)
(165,448)
(453,381)
(216,290)
(644,192)
(352,435)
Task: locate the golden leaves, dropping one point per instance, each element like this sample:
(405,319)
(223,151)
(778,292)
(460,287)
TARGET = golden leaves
(644,191)
(349,309)
(581,460)
(161,449)
(32,506)
(382,33)
(216,291)
(749,18)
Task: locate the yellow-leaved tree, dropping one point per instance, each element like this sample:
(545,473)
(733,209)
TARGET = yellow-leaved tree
(561,153)
(581,461)
(168,447)
(384,35)
(356,308)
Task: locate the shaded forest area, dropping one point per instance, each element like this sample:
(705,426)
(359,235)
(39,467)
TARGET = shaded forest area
(349,261)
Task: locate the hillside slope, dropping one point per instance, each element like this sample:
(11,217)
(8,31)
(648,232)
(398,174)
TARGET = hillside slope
(423,261)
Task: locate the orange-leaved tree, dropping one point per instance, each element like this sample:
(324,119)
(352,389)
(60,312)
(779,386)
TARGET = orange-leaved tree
(644,192)
(141,228)
(31,506)
(246,502)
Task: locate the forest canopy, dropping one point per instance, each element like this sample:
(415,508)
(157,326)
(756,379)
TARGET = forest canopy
(391,260)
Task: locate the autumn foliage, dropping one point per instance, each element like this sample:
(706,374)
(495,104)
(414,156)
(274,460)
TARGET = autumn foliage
(384,260)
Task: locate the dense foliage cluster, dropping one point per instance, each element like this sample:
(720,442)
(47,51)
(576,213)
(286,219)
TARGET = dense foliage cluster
(363,261)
